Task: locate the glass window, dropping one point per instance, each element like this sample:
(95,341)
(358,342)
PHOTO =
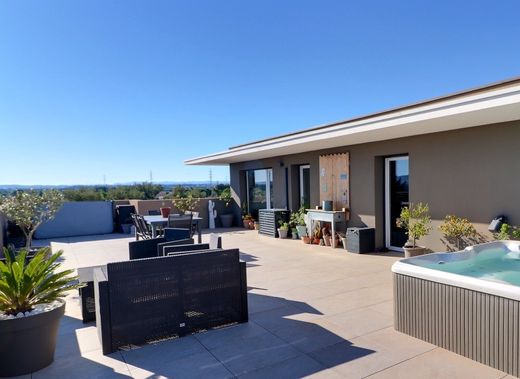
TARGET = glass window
(259,190)
(305,186)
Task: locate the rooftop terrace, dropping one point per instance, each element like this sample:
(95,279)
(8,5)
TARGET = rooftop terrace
(314,312)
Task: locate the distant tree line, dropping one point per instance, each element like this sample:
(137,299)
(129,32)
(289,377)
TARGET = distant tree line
(138,191)
(141,191)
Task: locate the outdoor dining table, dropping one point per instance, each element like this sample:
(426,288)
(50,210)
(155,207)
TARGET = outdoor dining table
(160,221)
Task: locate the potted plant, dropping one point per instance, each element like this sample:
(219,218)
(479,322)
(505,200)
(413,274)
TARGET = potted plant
(298,219)
(30,209)
(226,219)
(508,232)
(456,230)
(415,219)
(165,211)
(31,305)
(186,204)
(294,233)
(316,236)
(343,237)
(283,229)
(248,221)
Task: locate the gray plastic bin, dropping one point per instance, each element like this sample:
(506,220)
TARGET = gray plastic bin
(361,240)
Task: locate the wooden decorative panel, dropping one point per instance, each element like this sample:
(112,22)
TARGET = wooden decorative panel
(335,180)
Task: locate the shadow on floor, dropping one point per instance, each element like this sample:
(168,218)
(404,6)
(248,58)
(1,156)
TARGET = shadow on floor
(274,342)
(75,339)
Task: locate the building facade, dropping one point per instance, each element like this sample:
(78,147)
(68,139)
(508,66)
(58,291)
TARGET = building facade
(459,154)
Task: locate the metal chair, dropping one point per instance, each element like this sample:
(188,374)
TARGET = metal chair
(141,229)
(182,221)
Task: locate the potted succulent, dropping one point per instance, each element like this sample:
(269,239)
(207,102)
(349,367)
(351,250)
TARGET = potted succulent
(415,219)
(316,236)
(226,219)
(30,209)
(456,230)
(283,229)
(248,221)
(31,305)
(298,219)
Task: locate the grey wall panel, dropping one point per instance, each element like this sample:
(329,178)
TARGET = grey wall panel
(80,218)
(477,325)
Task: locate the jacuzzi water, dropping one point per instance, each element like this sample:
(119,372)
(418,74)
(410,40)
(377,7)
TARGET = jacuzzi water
(493,264)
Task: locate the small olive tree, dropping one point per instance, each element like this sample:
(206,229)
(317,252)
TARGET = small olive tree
(186,204)
(456,230)
(30,209)
(415,219)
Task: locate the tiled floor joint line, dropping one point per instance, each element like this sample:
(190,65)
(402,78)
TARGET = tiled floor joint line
(400,362)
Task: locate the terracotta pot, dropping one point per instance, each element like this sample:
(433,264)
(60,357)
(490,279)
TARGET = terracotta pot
(251,225)
(414,251)
(306,239)
(246,224)
(165,211)
(327,240)
(316,240)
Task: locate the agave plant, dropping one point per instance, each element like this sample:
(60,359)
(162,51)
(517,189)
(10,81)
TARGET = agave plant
(26,283)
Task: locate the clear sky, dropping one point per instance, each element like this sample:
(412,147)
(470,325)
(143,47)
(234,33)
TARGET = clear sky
(119,88)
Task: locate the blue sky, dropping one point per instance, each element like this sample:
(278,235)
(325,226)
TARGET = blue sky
(119,88)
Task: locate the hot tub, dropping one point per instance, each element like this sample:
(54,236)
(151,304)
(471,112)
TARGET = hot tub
(467,302)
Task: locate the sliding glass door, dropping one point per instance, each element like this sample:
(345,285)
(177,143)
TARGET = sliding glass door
(396,197)
(305,186)
(259,190)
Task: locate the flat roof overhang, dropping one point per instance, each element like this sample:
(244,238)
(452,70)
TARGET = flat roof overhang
(487,105)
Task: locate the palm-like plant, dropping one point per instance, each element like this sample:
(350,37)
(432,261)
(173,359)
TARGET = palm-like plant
(25,284)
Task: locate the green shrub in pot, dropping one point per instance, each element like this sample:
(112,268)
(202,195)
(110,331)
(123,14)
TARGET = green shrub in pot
(457,230)
(416,221)
(298,220)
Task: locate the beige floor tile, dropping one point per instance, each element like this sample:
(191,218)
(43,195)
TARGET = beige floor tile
(198,365)
(243,355)
(314,312)
(293,368)
(439,364)
(86,366)
(370,353)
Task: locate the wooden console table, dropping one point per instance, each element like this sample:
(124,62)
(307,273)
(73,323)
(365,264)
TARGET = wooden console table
(327,216)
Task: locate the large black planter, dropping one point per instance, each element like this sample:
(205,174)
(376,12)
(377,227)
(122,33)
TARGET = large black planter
(27,344)
(226,220)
